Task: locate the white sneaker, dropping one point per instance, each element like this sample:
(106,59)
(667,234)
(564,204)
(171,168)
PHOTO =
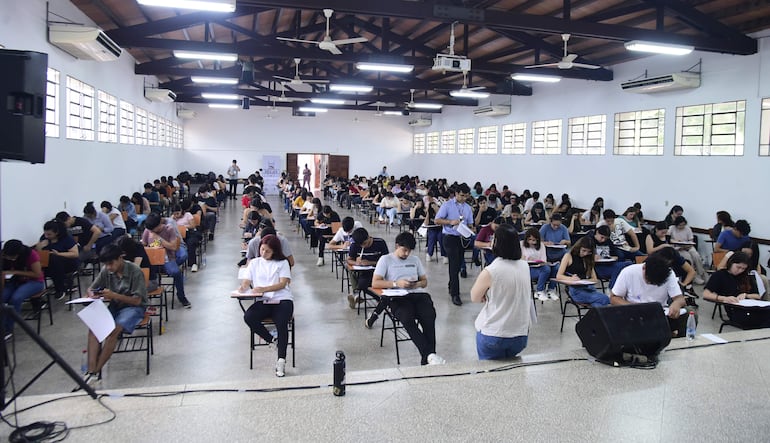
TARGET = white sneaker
(320,261)
(428,257)
(540,295)
(434,359)
(280,367)
(698,280)
(194,268)
(552,294)
(445,260)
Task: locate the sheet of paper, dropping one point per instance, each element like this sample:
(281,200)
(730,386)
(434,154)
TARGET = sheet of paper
(362,268)
(395,292)
(682,311)
(556,246)
(749,302)
(713,337)
(98,319)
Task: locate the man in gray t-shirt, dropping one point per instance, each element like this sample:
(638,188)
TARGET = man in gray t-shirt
(415,311)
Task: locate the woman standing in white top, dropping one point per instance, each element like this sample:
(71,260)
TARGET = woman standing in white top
(269,277)
(502,325)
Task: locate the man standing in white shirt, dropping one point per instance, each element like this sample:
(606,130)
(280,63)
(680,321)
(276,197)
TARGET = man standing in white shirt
(232,174)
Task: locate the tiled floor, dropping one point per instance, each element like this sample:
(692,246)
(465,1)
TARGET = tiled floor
(208,346)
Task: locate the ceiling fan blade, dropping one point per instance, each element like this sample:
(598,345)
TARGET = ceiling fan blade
(475,88)
(584,66)
(298,40)
(315,81)
(570,58)
(546,65)
(286,79)
(348,41)
(334,50)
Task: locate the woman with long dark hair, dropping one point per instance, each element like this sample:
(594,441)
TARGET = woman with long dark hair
(23,276)
(269,278)
(533,250)
(578,266)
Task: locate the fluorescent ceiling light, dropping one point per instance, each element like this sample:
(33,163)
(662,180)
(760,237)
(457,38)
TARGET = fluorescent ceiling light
(351,88)
(536,78)
(468,93)
(224,106)
(386,67)
(393,113)
(195,55)
(215,80)
(201,5)
(658,48)
(427,106)
(218,96)
(311,109)
(328,101)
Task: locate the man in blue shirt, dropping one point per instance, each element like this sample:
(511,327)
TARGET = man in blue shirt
(555,237)
(451,214)
(736,239)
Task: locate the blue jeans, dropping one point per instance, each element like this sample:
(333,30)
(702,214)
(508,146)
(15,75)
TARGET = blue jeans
(610,271)
(435,237)
(172,269)
(14,294)
(543,274)
(624,255)
(498,348)
(588,295)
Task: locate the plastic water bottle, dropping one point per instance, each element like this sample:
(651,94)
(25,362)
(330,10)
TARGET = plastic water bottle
(339,374)
(204,259)
(691,326)
(84,361)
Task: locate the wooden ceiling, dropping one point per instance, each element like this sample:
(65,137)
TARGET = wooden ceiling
(499,36)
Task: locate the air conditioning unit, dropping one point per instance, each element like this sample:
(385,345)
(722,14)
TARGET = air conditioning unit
(84,42)
(159,95)
(186,114)
(453,63)
(491,111)
(663,83)
(420,122)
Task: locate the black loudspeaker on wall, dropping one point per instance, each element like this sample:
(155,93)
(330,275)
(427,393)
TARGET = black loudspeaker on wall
(22,105)
(610,331)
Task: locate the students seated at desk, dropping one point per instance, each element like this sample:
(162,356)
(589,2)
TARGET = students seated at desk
(122,284)
(534,251)
(415,311)
(116,218)
(162,232)
(591,217)
(364,251)
(484,239)
(83,230)
(620,234)
(192,238)
(680,232)
(64,254)
(536,216)
(724,222)
(651,281)
(676,211)
(389,207)
(736,239)
(484,214)
(555,234)
(266,228)
(269,277)
(733,284)
(325,218)
(502,326)
(23,277)
(606,269)
(683,270)
(579,265)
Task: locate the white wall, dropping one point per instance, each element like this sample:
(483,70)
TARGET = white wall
(74,171)
(217,136)
(702,185)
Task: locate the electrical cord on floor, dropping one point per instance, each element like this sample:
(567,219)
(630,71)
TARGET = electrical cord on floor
(47,431)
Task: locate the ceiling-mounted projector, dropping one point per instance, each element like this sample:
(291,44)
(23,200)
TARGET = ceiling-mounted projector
(453,63)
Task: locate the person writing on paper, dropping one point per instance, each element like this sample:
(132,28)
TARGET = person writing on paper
(578,266)
(269,277)
(732,284)
(555,234)
(121,283)
(651,281)
(364,251)
(502,326)
(415,311)
(23,276)
(533,251)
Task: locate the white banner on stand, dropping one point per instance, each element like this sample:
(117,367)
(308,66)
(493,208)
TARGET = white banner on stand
(271,171)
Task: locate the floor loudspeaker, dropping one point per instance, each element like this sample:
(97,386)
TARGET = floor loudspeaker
(609,332)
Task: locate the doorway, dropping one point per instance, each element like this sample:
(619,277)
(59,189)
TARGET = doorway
(320,166)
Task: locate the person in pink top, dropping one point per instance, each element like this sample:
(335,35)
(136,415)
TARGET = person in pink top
(23,277)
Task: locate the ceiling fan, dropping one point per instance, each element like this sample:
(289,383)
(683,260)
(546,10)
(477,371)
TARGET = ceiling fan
(410,103)
(297,80)
(327,44)
(567,62)
(282,98)
(465,91)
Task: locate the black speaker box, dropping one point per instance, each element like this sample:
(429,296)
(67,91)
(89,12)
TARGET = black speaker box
(22,105)
(609,331)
